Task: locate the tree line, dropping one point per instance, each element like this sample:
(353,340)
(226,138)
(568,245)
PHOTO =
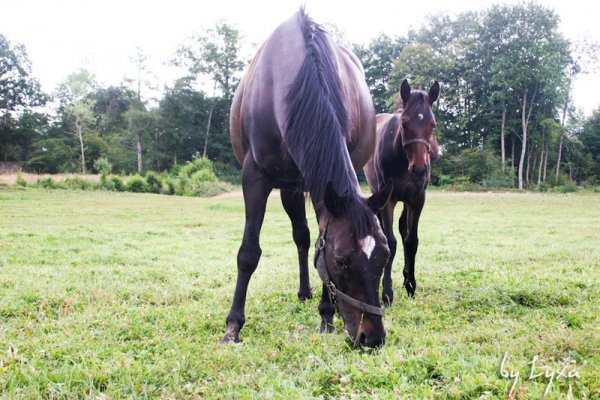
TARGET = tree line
(505,116)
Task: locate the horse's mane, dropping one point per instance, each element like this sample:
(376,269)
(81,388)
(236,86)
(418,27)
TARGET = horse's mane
(317,125)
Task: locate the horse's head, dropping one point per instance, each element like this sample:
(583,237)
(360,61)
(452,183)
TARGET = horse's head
(351,254)
(416,135)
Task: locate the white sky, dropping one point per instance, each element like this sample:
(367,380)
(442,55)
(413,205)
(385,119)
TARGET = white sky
(63,35)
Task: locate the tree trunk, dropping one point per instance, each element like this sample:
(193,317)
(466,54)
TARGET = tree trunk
(525,116)
(560,146)
(546,162)
(523,139)
(207,131)
(503,150)
(139,152)
(540,166)
(527,174)
(512,152)
(79,129)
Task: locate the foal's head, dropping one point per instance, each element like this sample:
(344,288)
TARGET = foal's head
(354,253)
(416,135)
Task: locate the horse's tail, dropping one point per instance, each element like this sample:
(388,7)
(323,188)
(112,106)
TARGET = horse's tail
(317,119)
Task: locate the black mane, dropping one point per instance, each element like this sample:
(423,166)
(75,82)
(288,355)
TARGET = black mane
(317,126)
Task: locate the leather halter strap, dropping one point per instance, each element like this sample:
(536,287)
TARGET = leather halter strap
(334,292)
(405,143)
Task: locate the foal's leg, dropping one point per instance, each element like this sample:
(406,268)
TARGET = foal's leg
(326,309)
(386,217)
(256,191)
(294,205)
(409,226)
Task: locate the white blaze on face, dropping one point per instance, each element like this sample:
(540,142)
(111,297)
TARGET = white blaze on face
(421,116)
(368,245)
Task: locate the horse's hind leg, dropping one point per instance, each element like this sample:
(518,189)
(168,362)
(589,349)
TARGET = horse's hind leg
(386,217)
(256,191)
(409,225)
(294,205)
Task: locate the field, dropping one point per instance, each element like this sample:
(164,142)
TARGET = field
(115,295)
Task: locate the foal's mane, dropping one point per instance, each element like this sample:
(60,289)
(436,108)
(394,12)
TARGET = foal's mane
(318,124)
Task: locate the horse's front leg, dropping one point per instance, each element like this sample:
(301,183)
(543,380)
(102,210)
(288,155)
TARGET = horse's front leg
(326,309)
(409,226)
(386,217)
(294,205)
(256,190)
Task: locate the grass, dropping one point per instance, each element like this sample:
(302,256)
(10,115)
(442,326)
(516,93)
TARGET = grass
(117,295)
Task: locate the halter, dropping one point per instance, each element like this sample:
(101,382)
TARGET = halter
(405,143)
(334,292)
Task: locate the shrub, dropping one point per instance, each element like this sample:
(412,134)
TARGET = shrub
(21,182)
(78,183)
(47,183)
(153,181)
(196,165)
(569,187)
(137,184)
(175,170)
(103,166)
(168,186)
(117,184)
(543,187)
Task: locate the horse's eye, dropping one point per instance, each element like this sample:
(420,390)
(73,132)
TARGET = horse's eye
(405,125)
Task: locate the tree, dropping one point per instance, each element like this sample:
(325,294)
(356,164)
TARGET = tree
(77,106)
(529,59)
(378,59)
(19,93)
(216,55)
(142,124)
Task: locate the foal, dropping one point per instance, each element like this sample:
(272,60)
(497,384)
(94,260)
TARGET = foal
(403,154)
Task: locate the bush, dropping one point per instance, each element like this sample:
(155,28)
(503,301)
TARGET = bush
(168,186)
(543,187)
(137,184)
(569,187)
(78,183)
(47,183)
(117,184)
(21,182)
(196,165)
(103,166)
(153,181)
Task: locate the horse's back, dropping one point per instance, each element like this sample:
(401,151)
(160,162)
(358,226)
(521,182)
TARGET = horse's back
(259,110)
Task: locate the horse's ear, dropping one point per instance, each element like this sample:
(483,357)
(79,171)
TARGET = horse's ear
(434,92)
(333,202)
(405,91)
(379,198)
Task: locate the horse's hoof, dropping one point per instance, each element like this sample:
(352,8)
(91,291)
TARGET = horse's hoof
(230,338)
(232,335)
(388,299)
(303,296)
(410,288)
(326,328)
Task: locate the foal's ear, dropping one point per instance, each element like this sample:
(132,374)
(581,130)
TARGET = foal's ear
(434,92)
(405,91)
(378,199)
(333,202)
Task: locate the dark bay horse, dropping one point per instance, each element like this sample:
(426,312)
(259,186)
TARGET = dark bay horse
(403,154)
(302,120)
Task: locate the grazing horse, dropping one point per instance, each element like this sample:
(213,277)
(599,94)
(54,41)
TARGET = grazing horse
(403,154)
(302,120)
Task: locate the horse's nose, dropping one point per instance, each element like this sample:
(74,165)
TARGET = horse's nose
(371,339)
(418,171)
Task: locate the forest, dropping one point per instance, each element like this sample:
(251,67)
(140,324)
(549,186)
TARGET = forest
(505,116)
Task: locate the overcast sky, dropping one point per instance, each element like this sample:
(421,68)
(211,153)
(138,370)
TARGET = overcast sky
(63,35)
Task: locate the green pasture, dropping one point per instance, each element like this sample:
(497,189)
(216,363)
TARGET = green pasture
(117,295)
